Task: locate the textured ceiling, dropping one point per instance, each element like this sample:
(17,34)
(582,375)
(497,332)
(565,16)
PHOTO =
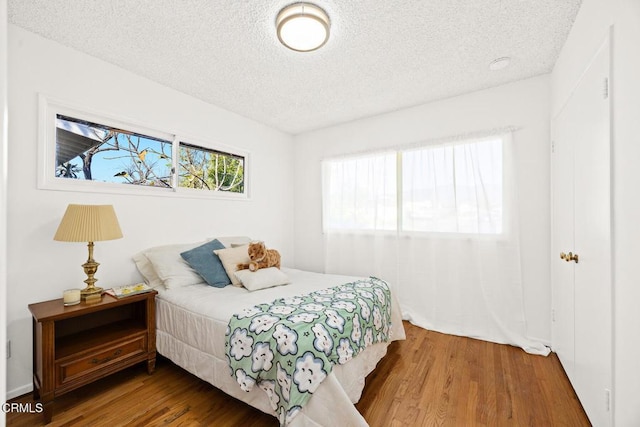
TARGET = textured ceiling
(381,56)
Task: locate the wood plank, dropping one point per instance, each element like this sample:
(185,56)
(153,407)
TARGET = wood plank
(431,379)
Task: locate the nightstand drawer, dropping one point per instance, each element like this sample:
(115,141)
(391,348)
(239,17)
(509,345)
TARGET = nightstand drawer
(72,367)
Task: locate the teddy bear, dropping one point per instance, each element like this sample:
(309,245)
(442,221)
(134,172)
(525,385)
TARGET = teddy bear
(261,257)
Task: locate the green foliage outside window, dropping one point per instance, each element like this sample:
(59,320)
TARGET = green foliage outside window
(210,170)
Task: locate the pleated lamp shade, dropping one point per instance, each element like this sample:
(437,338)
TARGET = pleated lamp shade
(88,223)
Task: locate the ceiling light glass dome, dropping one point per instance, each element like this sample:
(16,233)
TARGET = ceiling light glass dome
(303,27)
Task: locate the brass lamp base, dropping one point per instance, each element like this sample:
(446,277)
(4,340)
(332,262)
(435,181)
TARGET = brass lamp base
(91,293)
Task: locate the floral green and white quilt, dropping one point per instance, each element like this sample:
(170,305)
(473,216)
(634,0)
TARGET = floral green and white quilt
(289,346)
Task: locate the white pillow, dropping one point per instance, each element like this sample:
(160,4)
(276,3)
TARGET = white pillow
(234,241)
(169,267)
(230,258)
(261,279)
(146,269)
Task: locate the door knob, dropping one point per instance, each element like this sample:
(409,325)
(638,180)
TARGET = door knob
(569,257)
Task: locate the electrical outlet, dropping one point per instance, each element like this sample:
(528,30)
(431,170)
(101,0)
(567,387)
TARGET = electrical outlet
(8,349)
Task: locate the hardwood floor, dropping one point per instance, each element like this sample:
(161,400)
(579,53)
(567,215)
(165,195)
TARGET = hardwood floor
(431,379)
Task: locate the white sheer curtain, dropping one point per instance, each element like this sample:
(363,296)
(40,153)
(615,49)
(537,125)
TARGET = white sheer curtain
(360,193)
(440,223)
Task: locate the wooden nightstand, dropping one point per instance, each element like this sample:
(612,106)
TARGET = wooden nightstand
(73,346)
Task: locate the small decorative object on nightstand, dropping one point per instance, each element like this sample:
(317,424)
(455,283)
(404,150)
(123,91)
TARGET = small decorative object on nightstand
(89,223)
(78,344)
(71,297)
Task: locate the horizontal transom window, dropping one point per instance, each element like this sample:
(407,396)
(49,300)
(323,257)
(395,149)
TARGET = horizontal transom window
(95,152)
(211,170)
(87,152)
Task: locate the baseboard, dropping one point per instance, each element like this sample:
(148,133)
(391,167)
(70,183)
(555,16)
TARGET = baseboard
(27,388)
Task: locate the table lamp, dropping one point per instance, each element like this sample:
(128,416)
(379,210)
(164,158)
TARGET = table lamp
(89,223)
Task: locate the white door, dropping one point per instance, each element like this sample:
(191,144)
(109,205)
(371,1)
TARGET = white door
(563,238)
(582,334)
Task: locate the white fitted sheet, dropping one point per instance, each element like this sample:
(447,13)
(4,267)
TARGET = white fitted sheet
(192,322)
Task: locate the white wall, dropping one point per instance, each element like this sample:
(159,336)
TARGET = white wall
(39,268)
(523,104)
(591,26)
(3,204)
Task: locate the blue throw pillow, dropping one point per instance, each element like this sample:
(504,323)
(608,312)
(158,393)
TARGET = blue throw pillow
(207,264)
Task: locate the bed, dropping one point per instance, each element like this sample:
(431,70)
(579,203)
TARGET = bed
(192,331)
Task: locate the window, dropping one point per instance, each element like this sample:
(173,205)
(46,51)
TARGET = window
(94,152)
(211,170)
(360,193)
(87,152)
(453,188)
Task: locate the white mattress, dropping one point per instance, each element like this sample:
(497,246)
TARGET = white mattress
(192,321)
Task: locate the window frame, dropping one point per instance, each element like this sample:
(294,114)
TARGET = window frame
(49,109)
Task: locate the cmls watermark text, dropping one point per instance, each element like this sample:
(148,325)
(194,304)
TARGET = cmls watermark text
(31,408)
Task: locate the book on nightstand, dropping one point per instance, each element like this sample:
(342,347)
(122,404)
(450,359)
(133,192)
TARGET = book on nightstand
(129,290)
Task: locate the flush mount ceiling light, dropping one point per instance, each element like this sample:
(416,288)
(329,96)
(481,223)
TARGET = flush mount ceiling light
(500,63)
(303,27)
